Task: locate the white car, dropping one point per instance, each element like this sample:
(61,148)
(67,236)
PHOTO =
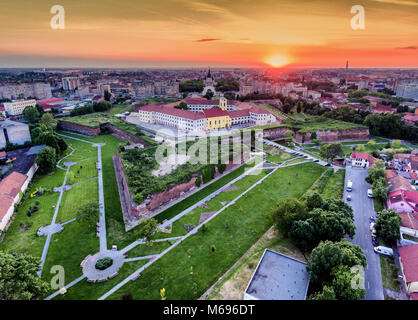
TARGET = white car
(383,250)
(372,226)
(349,197)
(370,193)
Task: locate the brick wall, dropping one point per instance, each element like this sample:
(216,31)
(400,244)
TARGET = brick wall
(78,128)
(124,136)
(334,136)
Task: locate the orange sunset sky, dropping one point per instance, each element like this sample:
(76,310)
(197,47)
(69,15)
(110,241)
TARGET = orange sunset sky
(191,33)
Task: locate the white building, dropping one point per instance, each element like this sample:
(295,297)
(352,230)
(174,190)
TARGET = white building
(407,90)
(70,83)
(15,108)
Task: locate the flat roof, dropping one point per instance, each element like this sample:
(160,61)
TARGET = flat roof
(279,277)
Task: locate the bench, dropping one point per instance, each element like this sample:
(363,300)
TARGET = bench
(113,275)
(91,280)
(102,280)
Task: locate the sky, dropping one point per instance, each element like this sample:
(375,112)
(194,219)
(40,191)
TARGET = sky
(201,33)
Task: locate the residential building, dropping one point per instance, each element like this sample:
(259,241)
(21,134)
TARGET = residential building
(37,90)
(15,108)
(364,160)
(409,266)
(278,277)
(70,83)
(10,190)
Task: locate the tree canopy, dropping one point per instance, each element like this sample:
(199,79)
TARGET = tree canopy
(46,160)
(19,279)
(328,255)
(30,114)
(288,211)
(387,226)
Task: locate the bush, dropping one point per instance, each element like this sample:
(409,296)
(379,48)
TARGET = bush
(198,181)
(104,263)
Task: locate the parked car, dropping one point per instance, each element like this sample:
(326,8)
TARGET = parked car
(374,233)
(328,165)
(372,219)
(374,241)
(316,160)
(370,193)
(349,197)
(383,250)
(372,224)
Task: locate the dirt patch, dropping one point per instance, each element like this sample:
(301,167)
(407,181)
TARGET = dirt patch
(205,216)
(204,205)
(231,188)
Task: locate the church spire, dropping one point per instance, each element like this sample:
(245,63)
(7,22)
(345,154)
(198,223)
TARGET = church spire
(209,74)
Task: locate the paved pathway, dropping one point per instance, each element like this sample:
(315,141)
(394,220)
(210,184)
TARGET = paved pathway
(102,218)
(59,162)
(66,287)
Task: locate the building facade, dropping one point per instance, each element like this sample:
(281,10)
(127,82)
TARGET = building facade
(15,108)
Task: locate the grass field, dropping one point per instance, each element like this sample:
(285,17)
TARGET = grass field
(189,269)
(334,188)
(389,273)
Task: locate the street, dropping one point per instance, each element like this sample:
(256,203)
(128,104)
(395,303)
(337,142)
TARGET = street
(363,208)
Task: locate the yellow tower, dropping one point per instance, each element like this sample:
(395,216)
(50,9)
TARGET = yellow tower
(223,104)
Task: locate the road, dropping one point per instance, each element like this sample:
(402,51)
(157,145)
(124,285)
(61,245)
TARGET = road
(363,208)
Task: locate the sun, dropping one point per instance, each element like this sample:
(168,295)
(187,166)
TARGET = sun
(277,60)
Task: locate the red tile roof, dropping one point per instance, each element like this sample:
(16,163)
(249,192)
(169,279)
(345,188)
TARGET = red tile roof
(399,183)
(409,220)
(409,259)
(215,112)
(173,111)
(239,113)
(9,189)
(364,156)
(414,295)
(259,110)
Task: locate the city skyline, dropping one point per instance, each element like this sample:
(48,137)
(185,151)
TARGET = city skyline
(188,33)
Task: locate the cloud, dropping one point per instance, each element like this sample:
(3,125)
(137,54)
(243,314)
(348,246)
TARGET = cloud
(207,40)
(407,48)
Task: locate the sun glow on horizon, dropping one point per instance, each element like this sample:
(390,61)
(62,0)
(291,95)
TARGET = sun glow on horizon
(277,60)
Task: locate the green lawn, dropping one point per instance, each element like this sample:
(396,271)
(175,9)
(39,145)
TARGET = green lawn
(190,268)
(77,197)
(82,171)
(389,273)
(334,187)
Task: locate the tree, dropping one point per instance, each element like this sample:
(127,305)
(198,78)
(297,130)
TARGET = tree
(46,160)
(288,211)
(328,255)
(89,213)
(361,148)
(327,293)
(209,94)
(147,229)
(30,114)
(396,144)
(375,173)
(107,95)
(380,190)
(19,279)
(288,136)
(331,150)
(314,201)
(322,225)
(388,223)
(372,144)
(342,286)
(48,120)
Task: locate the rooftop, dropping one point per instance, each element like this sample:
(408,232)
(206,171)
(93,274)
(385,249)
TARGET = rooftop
(409,259)
(279,277)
